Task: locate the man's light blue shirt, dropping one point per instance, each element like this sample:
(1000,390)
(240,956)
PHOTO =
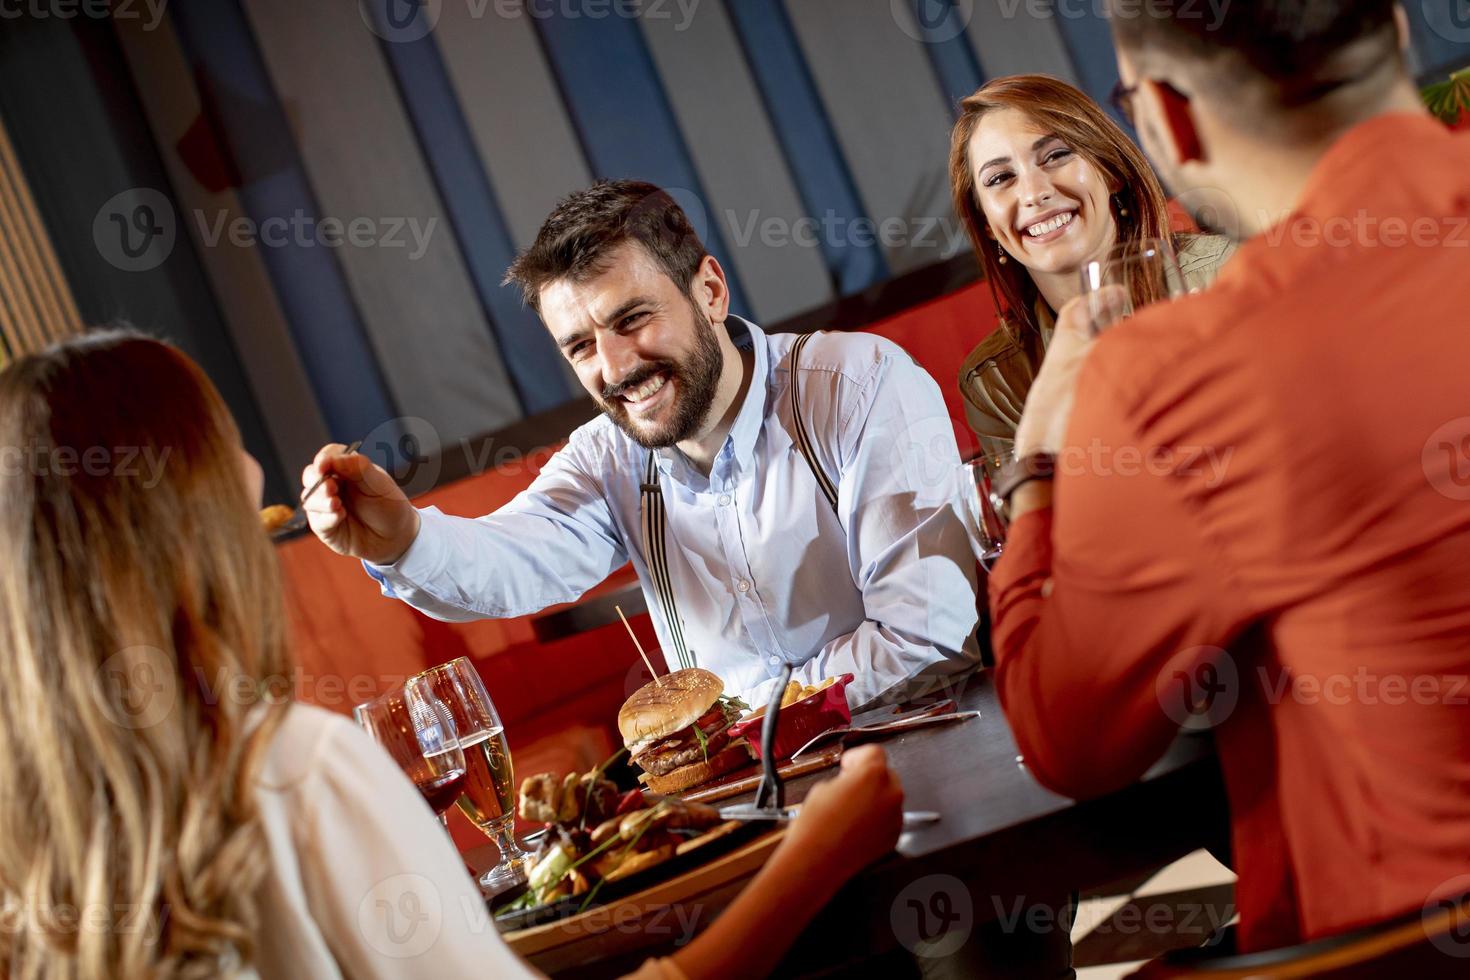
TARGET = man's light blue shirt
(764,572)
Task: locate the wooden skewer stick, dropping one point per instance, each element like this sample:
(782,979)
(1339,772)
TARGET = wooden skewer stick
(646,661)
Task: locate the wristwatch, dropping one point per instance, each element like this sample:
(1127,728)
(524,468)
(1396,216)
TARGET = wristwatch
(1036,466)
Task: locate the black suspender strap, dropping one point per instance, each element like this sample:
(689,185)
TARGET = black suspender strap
(658,561)
(655,519)
(803,440)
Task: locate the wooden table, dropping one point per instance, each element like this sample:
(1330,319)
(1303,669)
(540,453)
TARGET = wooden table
(1001,831)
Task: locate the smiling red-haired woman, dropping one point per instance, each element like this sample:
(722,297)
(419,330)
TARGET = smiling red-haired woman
(1044,181)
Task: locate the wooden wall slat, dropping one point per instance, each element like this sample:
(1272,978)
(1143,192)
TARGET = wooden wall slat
(43,321)
(23,331)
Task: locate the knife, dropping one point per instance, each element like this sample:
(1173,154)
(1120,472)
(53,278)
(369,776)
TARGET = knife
(749,811)
(921,719)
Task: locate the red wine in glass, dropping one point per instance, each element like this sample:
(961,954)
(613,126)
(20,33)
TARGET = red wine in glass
(441,791)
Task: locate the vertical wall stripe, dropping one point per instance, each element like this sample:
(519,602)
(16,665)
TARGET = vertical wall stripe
(1009,40)
(1090,41)
(603,67)
(880,92)
(239,279)
(308,282)
(942,25)
(514,110)
(801,123)
(753,200)
(532,359)
(413,291)
(516,115)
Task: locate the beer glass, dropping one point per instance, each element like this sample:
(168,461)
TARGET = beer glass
(489,792)
(418,731)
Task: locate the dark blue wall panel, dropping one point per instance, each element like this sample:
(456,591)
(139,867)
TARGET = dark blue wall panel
(811,147)
(617,102)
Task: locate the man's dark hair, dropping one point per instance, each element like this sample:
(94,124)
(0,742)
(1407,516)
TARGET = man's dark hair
(1303,49)
(584,228)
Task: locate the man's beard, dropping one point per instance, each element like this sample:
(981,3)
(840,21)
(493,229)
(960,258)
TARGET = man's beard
(695,380)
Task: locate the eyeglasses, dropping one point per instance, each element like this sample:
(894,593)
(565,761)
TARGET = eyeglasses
(1122,100)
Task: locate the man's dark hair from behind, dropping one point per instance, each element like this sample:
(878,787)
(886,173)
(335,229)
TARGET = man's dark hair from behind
(575,240)
(1302,50)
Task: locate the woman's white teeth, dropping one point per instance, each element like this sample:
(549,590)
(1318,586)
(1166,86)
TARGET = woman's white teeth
(647,391)
(1051,224)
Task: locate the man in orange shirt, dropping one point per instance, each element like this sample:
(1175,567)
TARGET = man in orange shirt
(1261,499)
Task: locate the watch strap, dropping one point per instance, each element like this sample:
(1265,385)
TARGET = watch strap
(1027,469)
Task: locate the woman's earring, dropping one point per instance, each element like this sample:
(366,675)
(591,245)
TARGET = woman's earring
(1122,209)
(1000,254)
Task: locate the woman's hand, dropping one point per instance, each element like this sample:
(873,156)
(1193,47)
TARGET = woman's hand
(848,822)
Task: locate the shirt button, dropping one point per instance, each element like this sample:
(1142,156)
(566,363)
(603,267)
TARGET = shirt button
(775,660)
(743,585)
(724,500)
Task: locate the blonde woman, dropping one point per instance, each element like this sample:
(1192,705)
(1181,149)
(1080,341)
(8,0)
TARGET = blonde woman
(165,811)
(1044,181)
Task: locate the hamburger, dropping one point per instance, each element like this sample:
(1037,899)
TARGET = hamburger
(677,730)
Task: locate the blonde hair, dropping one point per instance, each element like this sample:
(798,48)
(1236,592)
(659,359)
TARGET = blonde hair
(1068,113)
(141,634)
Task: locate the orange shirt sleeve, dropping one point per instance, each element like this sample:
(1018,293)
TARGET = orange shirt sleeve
(1109,605)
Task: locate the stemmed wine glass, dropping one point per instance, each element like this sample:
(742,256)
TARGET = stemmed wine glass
(418,731)
(977,506)
(489,791)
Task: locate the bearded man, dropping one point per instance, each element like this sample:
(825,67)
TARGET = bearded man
(784,500)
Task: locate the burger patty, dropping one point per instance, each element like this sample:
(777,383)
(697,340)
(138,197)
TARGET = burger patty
(710,722)
(664,762)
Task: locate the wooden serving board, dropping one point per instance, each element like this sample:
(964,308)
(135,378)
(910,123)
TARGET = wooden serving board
(747,779)
(636,921)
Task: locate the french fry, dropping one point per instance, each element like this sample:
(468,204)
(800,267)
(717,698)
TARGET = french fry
(826,683)
(792,694)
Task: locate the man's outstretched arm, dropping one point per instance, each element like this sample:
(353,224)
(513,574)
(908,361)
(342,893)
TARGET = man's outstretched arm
(550,544)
